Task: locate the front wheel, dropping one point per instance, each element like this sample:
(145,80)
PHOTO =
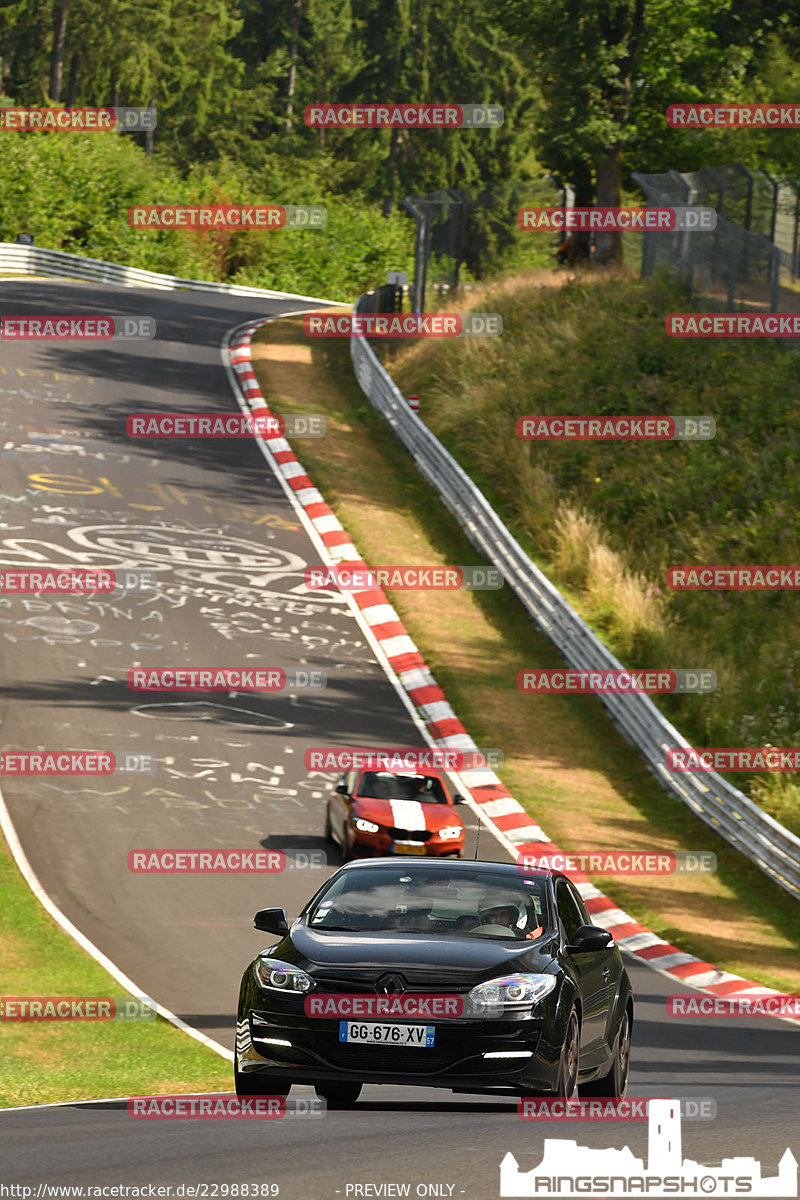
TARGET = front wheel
(615,1082)
(570,1059)
(338,1095)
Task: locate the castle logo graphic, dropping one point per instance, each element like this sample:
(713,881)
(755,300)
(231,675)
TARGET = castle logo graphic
(568,1169)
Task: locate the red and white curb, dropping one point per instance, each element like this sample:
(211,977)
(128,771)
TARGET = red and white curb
(496,805)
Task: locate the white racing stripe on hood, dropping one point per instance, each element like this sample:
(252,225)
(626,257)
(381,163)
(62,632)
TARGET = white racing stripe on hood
(408,814)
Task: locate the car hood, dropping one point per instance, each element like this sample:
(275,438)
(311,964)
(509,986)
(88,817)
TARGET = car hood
(406,814)
(420,958)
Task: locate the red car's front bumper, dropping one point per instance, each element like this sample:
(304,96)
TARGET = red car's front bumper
(381,845)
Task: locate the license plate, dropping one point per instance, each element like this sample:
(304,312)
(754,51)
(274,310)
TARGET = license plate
(387,1035)
(409,847)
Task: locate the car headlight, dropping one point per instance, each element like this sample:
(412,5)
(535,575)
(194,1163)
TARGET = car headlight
(512,991)
(451,831)
(364,826)
(280,976)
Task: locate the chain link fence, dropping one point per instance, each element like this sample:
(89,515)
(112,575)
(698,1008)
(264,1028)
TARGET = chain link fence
(471,229)
(752,259)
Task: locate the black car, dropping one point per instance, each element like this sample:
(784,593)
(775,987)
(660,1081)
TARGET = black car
(536,998)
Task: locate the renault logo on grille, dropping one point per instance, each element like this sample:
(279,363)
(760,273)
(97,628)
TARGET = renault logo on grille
(391,985)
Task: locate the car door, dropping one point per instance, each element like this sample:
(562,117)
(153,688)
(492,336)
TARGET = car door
(595,972)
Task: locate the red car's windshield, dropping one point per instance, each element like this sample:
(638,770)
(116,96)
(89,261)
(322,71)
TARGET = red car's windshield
(383,785)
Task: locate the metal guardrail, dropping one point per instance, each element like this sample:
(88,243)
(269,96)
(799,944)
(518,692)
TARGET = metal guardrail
(34,260)
(774,849)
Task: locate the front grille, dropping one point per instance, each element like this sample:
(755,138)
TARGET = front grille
(391,1061)
(409,835)
(365,982)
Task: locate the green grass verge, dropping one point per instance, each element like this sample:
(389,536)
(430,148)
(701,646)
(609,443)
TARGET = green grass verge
(46,1061)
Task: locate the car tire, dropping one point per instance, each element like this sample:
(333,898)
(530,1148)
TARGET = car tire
(328,834)
(338,1095)
(256,1084)
(615,1082)
(569,1062)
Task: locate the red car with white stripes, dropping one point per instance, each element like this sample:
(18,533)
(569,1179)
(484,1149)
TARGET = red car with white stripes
(395,812)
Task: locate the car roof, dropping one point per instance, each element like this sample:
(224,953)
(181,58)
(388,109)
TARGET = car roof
(453,865)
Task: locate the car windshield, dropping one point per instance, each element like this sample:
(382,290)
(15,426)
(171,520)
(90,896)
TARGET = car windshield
(470,904)
(385,785)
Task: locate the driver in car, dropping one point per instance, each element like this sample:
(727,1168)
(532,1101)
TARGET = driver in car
(511,917)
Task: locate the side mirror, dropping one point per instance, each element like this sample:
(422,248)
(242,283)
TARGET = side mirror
(271,920)
(588,939)
(341,788)
(458,799)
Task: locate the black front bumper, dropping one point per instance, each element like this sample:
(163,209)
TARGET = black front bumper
(456,1060)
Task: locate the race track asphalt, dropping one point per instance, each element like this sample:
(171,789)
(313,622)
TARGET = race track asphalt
(229,552)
